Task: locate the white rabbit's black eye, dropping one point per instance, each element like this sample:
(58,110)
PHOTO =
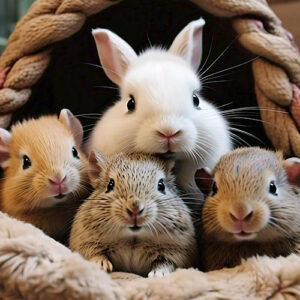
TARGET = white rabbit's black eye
(214,189)
(131,104)
(161,186)
(75,152)
(26,162)
(273,188)
(110,186)
(196,101)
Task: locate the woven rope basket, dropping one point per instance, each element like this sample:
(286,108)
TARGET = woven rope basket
(276,71)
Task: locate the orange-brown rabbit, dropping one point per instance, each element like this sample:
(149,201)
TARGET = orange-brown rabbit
(45,171)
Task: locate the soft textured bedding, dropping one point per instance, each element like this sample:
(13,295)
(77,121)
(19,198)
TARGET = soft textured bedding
(34,266)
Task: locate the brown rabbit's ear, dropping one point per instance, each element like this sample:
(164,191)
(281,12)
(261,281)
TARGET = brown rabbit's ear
(5,138)
(67,118)
(96,164)
(292,167)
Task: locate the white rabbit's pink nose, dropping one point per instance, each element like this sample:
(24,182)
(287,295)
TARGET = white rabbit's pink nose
(169,134)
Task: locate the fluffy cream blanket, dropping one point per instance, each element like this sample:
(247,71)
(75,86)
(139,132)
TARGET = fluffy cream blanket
(34,266)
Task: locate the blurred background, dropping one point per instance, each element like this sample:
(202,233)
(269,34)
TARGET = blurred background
(12,10)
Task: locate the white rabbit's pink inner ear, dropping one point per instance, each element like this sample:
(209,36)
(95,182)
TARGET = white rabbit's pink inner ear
(5,138)
(74,125)
(188,43)
(114,53)
(96,164)
(292,167)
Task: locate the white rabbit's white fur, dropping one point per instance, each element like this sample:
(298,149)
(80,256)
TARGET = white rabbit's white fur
(162,83)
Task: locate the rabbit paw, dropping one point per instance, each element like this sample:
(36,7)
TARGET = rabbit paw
(103,262)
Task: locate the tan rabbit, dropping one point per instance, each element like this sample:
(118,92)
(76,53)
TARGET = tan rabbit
(134,221)
(254,208)
(45,171)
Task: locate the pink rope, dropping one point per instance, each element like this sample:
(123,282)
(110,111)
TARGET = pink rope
(3,75)
(295,105)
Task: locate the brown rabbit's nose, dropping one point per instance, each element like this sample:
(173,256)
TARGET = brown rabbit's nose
(135,212)
(57,181)
(168,134)
(241,216)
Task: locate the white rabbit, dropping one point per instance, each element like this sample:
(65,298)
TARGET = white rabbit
(160,110)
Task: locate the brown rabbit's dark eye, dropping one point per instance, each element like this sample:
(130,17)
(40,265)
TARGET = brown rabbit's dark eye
(214,189)
(196,101)
(131,104)
(110,186)
(161,186)
(75,152)
(26,162)
(273,188)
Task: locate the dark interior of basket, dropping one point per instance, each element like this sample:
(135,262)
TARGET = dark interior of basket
(74,81)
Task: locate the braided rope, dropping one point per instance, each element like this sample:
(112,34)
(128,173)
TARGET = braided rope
(276,72)
(47,22)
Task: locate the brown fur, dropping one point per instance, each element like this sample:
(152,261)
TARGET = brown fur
(242,179)
(100,231)
(47,141)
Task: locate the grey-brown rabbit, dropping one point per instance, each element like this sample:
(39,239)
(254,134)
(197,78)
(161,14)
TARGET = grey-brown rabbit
(134,221)
(254,208)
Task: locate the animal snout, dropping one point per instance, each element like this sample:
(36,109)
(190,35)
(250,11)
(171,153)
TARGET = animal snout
(168,134)
(135,215)
(135,212)
(240,218)
(57,185)
(57,180)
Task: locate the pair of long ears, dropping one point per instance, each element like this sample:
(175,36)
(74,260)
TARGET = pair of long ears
(115,54)
(65,117)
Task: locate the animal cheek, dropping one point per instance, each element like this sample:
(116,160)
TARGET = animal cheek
(151,213)
(118,211)
(260,217)
(224,219)
(189,135)
(40,184)
(145,140)
(73,178)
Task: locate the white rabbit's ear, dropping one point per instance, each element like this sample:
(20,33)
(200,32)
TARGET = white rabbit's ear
(114,53)
(5,138)
(67,118)
(292,168)
(188,43)
(96,164)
